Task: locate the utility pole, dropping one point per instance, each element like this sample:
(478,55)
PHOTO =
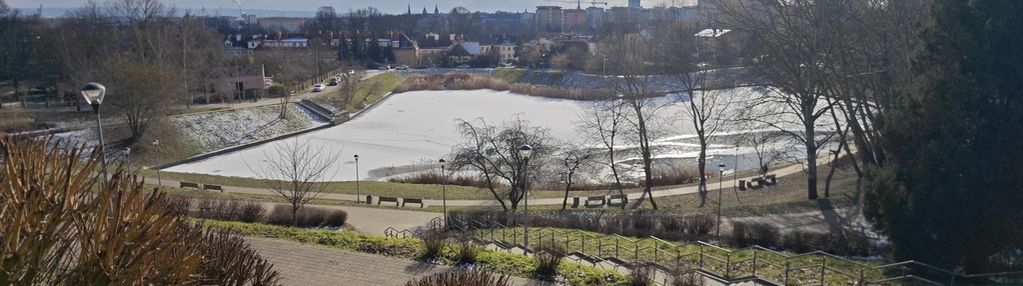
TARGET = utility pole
(184,63)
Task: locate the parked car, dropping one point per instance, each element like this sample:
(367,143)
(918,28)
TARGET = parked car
(384,67)
(333,82)
(401,67)
(318,87)
(463,66)
(351,71)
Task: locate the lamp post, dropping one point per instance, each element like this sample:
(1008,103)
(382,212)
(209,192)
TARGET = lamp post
(93,94)
(358,195)
(721,173)
(525,151)
(444,191)
(735,173)
(156,147)
(126,152)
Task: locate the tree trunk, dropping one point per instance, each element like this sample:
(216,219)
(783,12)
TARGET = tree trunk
(811,162)
(614,171)
(490,185)
(831,172)
(644,143)
(568,185)
(701,166)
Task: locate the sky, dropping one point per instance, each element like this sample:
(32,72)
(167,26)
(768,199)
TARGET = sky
(386,6)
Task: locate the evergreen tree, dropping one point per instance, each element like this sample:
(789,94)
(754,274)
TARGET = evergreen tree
(951,194)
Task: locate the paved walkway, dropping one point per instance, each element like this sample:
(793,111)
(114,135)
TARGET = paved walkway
(780,173)
(306,264)
(822,221)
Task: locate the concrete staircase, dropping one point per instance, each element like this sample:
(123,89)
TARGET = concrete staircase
(659,274)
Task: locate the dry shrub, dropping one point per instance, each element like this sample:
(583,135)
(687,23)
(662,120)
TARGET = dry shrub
(436,178)
(467,252)
(842,242)
(336,218)
(15,119)
(311,217)
(548,257)
(754,233)
(231,261)
(280,215)
(61,226)
(676,177)
(687,278)
(698,226)
(434,243)
(307,217)
(641,276)
(638,223)
(251,212)
(463,81)
(477,277)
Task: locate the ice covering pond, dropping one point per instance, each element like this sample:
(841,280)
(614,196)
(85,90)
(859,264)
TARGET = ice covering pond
(417,128)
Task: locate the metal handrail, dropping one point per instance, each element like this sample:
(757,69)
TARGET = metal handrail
(676,254)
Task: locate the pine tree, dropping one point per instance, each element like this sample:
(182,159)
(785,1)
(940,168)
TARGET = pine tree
(952,195)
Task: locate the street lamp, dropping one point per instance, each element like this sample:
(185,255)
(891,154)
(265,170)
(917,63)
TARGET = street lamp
(735,173)
(93,94)
(721,173)
(126,152)
(156,148)
(444,190)
(525,151)
(358,199)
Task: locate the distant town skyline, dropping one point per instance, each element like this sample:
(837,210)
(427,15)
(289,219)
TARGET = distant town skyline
(385,6)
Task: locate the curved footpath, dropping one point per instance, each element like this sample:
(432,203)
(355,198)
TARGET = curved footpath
(783,172)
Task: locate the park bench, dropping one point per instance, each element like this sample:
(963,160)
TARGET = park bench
(412,201)
(742,185)
(772,180)
(209,187)
(617,200)
(388,199)
(189,185)
(756,183)
(595,202)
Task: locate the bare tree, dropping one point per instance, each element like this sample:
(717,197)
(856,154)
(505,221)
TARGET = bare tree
(604,122)
(800,42)
(472,154)
(348,90)
(707,97)
(294,171)
(764,144)
(493,152)
(627,56)
(573,160)
(130,46)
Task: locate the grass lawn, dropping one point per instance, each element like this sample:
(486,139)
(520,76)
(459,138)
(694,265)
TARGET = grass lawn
(379,85)
(510,75)
(804,270)
(376,188)
(789,196)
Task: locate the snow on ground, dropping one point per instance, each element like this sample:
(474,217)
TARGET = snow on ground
(418,127)
(217,130)
(211,131)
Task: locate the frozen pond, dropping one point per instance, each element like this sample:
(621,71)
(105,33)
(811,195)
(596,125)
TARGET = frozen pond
(419,127)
